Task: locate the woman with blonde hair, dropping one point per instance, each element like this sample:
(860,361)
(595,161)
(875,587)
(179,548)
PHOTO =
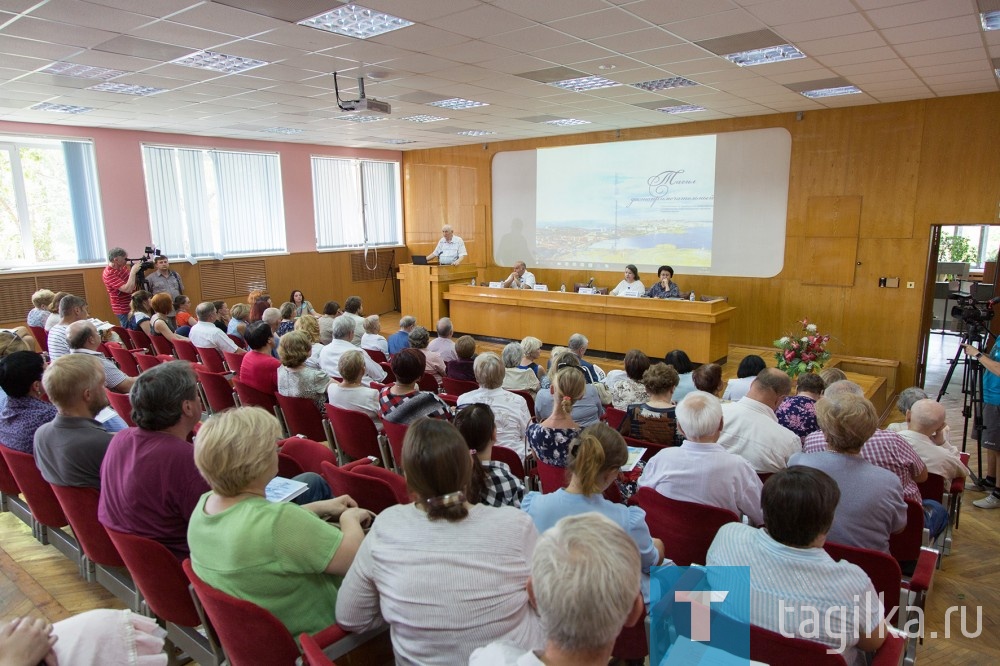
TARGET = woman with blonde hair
(55,318)
(551,438)
(595,458)
(351,393)
(310,326)
(531,347)
(295,378)
(41,299)
(238,319)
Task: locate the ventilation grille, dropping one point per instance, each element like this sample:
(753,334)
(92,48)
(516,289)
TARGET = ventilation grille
(380,263)
(221,280)
(17,292)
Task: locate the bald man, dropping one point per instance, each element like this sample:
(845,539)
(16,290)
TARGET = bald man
(925,432)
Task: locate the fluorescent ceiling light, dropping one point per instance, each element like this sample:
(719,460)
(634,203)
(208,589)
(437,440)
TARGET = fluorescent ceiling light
(456,103)
(283,130)
(664,84)
(127,89)
(583,84)
(356,21)
(831,92)
(423,118)
(765,55)
(990,20)
(82,71)
(681,108)
(218,62)
(354,118)
(396,142)
(61,108)
(475,133)
(566,122)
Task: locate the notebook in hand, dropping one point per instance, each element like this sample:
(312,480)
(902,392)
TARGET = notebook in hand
(281,489)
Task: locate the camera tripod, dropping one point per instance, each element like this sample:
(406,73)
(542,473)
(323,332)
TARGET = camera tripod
(980,337)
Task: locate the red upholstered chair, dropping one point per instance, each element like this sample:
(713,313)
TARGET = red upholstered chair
(186,351)
(509,456)
(395,433)
(104,349)
(528,398)
(251,397)
(369,492)
(686,529)
(218,390)
(458,386)
(139,339)
(288,466)
(427,382)
(933,488)
(449,399)
(652,448)
(145,361)
(10,495)
(906,546)
(308,453)
(302,417)
(123,337)
(125,360)
(233,360)
(44,505)
(41,336)
(120,403)
(551,478)
(377,355)
(395,481)
(614,417)
(212,359)
(355,435)
(390,376)
(162,345)
(770,647)
(164,587)
(238,341)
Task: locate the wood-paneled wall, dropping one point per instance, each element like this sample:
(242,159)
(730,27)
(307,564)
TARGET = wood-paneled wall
(912,164)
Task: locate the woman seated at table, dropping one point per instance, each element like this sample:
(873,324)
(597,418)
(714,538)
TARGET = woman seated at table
(278,555)
(447,576)
(749,368)
(587,406)
(629,391)
(654,420)
(630,286)
(798,412)
(666,287)
(402,402)
(159,323)
(516,378)
(595,458)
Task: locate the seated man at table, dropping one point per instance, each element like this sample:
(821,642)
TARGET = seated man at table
(204,334)
(520,278)
(751,429)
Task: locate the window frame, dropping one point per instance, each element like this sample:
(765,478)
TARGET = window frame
(356,162)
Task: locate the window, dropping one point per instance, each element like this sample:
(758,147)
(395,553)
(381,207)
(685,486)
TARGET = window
(357,203)
(214,203)
(50,210)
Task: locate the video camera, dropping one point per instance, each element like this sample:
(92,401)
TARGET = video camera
(146,259)
(971,311)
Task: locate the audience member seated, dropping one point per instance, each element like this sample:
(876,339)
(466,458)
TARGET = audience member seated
(25,411)
(883,448)
(462,367)
(631,285)
(70,448)
(402,402)
(140,311)
(871,498)
(587,408)
(831,375)
(401,338)
(84,339)
(10,342)
(585,585)
(701,471)
(71,308)
(492,482)
(749,368)
(351,393)
(302,306)
(205,334)
(287,322)
(310,326)
(258,307)
(39,314)
(222,322)
(654,420)
(447,576)
(443,343)
(678,358)
(707,377)
(532,348)
(595,459)
(285,558)
(550,439)
(238,319)
(54,309)
(372,339)
(907,397)
(354,311)
(578,344)
(329,358)
(182,310)
(509,409)
(259,369)
(751,429)
(159,323)
(295,378)
(517,378)
(331,310)
(629,390)
(272,317)
(419,339)
(794,580)
(798,412)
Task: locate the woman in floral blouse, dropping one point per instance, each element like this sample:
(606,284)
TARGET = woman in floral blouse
(798,412)
(550,439)
(630,390)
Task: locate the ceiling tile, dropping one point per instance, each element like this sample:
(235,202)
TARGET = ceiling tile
(480,21)
(782,12)
(671,11)
(860,41)
(181,35)
(56,32)
(531,39)
(732,22)
(550,10)
(961,25)
(301,37)
(154,8)
(599,24)
(925,10)
(90,15)
(472,52)
(228,20)
(835,26)
(638,40)
(142,48)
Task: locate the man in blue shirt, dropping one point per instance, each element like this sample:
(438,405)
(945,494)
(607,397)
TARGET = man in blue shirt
(401,339)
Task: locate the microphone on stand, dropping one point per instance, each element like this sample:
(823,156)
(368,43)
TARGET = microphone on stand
(591,283)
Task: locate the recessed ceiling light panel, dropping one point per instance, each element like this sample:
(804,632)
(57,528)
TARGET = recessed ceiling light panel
(423,118)
(681,108)
(457,103)
(990,20)
(354,118)
(664,84)
(127,89)
(475,133)
(765,55)
(283,130)
(566,122)
(82,71)
(585,83)
(396,142)
(356,21)
(831,92)
(218,62)
(61,108)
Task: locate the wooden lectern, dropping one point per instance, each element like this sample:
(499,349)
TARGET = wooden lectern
(422,289)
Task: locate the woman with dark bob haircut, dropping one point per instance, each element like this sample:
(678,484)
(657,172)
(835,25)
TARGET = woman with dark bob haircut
(402,402)
(747,371)
(682,364)
(446,575)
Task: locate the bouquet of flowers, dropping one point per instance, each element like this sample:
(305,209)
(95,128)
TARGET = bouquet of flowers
(805,352)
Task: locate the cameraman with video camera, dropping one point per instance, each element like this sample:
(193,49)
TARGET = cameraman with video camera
(120,281)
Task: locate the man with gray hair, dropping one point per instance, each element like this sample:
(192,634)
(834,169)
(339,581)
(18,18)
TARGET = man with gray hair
(206,335)
(520,277)
(71,308)
(585,580)
(925,432)
(751,428)
(329,358)
(450,249)
(120,282)
(443,344)
(509,409)
(578,344)
(700,470)
(401,339)
(83,338)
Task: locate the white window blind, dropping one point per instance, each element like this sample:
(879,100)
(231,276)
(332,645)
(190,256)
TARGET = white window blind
(357,203)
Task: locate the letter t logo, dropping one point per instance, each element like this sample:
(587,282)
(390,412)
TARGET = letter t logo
(701,613)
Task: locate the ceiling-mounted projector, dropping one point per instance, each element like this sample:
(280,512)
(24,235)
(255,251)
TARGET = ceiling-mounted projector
(363,103)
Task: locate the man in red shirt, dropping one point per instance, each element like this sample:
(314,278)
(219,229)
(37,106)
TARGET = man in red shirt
(259,369)
(119,280)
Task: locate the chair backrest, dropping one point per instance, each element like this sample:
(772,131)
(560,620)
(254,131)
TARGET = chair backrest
(308,453)
(80,507)
(121,404)
(933,487)
(218,390)
(186,351)
(770,647)
(394,481)
(238,341)
(551,478)
(162,345)
(355,433)
(687,529)
(249,634)
(370,493)
(251,397)
(288,466)
(125,360)
(882,569)
(528,398)
(312,653)
(103,348)
(139,339)
(8,484)
(458,386)
(41,335)
(905,546)
(377,355)
(159,577)
(427,382)
(390,376)
(652,448)
(509,456)
(449,399)
(233,360)
(302,417)
(145,361)
(212,359)
(614,417)
(36,490)
(122,334)
(395,433)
